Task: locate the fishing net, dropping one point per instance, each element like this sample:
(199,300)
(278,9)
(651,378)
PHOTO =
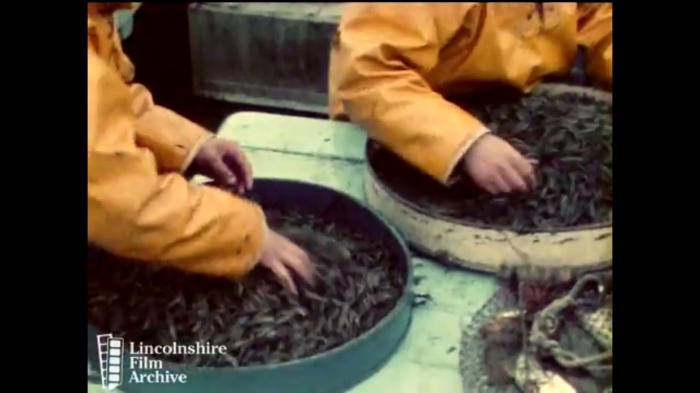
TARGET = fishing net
(541,336)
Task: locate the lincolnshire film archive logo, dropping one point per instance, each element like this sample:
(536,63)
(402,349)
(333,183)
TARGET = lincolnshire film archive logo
(140,364)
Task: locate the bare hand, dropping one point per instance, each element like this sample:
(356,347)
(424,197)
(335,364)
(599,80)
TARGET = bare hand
(224,162)
(497,167)
(280,255)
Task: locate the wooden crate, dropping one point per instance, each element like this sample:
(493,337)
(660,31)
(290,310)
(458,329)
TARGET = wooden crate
(266,54)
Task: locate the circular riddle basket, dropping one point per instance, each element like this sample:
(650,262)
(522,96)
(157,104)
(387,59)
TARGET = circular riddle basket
(487,248)
(334,371)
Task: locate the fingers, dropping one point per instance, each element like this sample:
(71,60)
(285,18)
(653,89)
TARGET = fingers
(526,170)
(497,185)
(223,173)
(237,160)
(515,175)
(513,179)
(299,261)
(283,276)
(498,167)
(283,255)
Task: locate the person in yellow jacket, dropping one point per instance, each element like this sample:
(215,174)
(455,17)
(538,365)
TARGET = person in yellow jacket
(139,203)
(392,64)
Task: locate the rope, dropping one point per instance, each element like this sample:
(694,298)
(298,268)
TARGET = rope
(547,321)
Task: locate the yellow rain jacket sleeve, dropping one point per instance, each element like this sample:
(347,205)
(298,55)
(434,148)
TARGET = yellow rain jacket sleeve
(595,34)
(138,207)
(391,62)
(173,139)
(380,59)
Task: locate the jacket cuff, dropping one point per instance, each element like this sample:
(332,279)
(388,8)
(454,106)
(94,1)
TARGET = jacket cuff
(173,139)
(194,150)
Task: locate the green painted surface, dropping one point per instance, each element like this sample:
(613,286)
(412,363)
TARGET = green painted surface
(331,154)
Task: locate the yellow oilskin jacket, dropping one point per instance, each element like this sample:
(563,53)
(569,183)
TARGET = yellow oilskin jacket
(139,204)
(392,64)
